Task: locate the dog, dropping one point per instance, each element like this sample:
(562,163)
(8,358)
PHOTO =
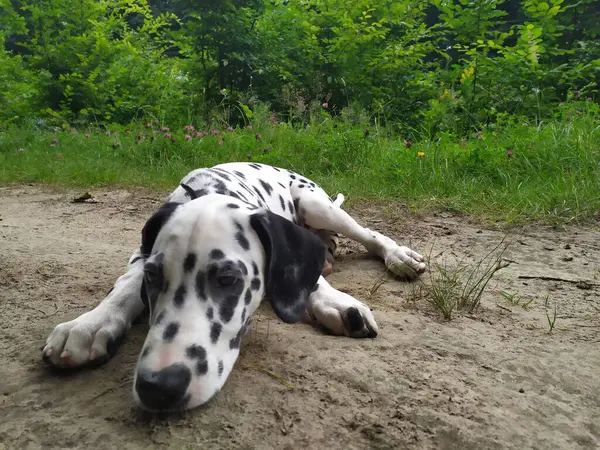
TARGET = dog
(227,237)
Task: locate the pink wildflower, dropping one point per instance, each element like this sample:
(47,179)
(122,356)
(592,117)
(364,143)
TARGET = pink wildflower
(258,137)
(165,129)
(325,105)
(215,132)
(187,137)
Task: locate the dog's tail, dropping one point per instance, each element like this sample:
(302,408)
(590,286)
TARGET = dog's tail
(339,200)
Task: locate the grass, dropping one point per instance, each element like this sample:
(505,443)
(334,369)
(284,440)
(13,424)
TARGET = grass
(458,287)
(513,173)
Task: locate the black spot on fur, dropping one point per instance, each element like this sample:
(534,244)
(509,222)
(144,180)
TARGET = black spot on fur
(201,193)
(293,177)
(254,268)
(134,260)
(170,332)
(243,267)
(291,207)
(215,332)
(232,205)
(282,201)
(189,262)
(239,236)
(312,185)
(266,186)
(281,184)
(243,314)
(159,318)
(217,254)
(235,342)
(189,192)
(300,186)
(196,352)
(242,196)
(179,296)
(219,185)
(248,297)
(355,321)
(240,174)
(146,351)
(220,367)
(221,173)
(202,367)
(227,308)
(255,284)
(200,285)
(297,205)
(234,195)
(255,166)
(302,180)
(210,313)
(259,193)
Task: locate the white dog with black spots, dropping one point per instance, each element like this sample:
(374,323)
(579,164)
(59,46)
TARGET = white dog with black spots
(227,238)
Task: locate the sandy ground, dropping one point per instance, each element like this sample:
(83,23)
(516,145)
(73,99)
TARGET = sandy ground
(496,379)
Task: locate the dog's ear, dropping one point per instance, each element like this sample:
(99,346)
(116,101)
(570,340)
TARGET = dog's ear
(154,225)
(294,262)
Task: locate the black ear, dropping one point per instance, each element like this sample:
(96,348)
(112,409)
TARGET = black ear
(295,259)
(154,225)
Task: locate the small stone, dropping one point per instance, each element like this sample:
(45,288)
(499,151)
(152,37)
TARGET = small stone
(567,258)
(567,247)
(522,390)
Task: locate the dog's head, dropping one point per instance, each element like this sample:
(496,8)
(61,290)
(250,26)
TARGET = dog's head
(210,262)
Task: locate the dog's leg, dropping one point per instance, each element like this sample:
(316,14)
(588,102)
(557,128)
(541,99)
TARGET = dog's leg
(339,313)
(93,337)
(319,212)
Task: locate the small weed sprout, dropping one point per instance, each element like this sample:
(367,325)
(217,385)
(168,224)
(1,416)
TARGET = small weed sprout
(459,287)
(551,319)
(517,300)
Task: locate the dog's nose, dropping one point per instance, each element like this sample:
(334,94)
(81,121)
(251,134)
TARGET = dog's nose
(163,389)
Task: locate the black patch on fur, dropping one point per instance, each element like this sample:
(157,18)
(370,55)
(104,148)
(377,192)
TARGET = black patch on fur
(179,296)
(243,314)
(170,332)
(240,174)
(243,267)
(196,352)
(281,184)
(266,186)
(255,284)
(234,195)
(220,367)
(189,262)
(295,259)
(232,205)
(134,260)
(145,351)
(255,166)
(220,185)
(236,341)
(297,205)
(217,254)
(189,192)
(215,332)
(259,193)
(154,225)
(227,307)
(292,176)
(210,313)
(291,207)
(201,285)
(254,268)
(202,367)
(159,318)
(242,196)
(247,297)
(302,180)
(201,193)
(355,321)
(312,185)
(282,201)
(239,236)
(221,173)
(300,186)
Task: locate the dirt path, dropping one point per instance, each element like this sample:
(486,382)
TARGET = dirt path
(493,380)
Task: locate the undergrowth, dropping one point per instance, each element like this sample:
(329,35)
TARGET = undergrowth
(510,172)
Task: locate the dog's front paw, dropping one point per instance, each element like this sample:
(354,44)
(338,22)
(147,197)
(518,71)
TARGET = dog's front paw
(404,262)
(91,339)
(341,315)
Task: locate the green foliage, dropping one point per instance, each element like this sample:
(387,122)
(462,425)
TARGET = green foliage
(425,67)
(514,172)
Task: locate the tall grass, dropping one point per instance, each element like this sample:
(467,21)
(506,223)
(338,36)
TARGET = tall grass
(513,172)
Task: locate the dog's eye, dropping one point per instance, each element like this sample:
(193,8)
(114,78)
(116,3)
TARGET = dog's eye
(227,280)
(153,276)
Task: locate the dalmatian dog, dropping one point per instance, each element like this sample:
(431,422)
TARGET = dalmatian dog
(226,238)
